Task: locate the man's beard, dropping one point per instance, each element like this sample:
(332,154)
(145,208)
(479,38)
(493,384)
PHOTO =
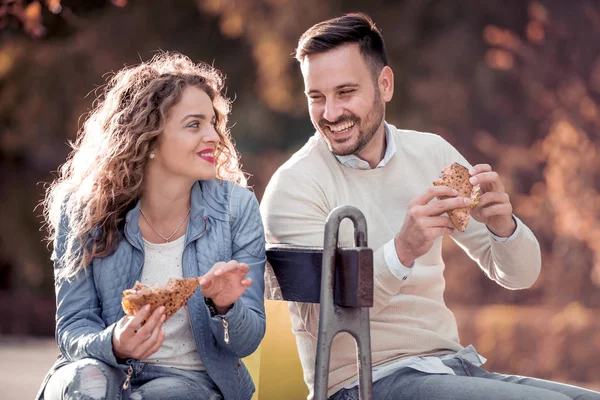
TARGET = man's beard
(365,134)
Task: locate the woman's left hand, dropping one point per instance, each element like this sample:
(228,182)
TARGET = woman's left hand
(225,283)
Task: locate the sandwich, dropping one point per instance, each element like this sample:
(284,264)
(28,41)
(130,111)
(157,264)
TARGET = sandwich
(457,177)
(173,296)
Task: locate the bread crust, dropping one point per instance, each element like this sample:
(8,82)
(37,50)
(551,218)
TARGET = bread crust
(173,296)
(457,176)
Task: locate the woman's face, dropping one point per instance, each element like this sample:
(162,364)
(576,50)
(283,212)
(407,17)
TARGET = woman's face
(186,147)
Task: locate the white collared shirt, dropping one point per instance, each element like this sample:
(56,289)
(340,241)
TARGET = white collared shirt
(352,161)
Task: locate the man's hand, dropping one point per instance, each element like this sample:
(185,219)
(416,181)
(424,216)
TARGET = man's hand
(134,338)
(424,223)
(225,283)
(494,208)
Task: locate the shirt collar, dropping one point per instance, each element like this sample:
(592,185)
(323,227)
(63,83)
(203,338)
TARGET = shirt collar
(352,161)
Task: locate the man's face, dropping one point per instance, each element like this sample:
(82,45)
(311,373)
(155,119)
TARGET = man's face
(344,102)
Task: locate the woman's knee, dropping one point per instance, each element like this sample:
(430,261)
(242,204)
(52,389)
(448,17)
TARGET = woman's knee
(91,379)
(88,379)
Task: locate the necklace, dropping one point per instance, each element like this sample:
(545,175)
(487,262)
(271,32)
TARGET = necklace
(166,239)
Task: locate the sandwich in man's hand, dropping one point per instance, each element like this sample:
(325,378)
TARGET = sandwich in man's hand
(173,296)
(457,177)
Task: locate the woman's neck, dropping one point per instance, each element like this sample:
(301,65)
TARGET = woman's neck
(165,198)
(165,207)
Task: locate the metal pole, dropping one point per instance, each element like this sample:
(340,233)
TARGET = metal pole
(334,319)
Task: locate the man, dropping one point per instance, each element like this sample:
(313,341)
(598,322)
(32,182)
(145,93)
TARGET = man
(356,158)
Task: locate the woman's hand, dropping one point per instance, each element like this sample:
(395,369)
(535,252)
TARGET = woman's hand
(132,338)
(225,283)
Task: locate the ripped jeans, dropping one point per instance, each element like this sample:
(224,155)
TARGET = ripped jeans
(90,379)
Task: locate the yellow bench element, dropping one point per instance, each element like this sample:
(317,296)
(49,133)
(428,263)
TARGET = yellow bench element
(275,365)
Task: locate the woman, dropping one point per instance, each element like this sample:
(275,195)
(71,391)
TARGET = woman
(153,190)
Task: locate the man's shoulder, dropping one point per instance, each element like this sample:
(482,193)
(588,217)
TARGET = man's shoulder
(416,145)
(307,172)
(310,160)
(408,136)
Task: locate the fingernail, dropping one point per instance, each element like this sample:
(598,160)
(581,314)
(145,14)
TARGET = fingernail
(467,201)
(147,307)
(454,192)
(472,171)
(473,180)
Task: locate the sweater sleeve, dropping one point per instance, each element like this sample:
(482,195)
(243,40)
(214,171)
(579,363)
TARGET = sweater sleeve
(514,263)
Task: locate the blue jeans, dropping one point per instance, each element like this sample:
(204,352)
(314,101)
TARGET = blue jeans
(90,379)
(469,383)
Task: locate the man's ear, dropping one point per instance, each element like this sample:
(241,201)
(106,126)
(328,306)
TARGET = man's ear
(386,83)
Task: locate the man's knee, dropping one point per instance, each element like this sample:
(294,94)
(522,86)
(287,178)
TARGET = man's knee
(136,396)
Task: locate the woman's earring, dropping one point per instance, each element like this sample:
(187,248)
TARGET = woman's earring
(152,155)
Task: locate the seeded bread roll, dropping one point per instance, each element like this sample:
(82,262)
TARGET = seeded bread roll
(457,177)
(173,296)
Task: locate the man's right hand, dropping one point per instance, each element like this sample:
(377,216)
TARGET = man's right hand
(131,339)
(424,222)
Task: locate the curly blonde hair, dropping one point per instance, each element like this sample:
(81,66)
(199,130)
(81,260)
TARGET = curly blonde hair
(102,177)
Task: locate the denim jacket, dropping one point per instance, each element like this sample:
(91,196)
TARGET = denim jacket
(224,225)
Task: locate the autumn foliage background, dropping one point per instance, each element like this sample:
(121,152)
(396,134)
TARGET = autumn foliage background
(512,83)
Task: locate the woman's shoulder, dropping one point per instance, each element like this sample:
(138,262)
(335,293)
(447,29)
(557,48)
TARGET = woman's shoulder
(223,197)
(223,190)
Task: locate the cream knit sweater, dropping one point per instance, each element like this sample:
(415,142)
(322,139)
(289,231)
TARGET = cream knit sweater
(409,318)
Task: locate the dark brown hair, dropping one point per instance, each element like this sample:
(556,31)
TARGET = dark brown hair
(349,28)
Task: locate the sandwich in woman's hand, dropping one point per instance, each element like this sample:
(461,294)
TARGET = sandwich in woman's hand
(173,296)
(457,177)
